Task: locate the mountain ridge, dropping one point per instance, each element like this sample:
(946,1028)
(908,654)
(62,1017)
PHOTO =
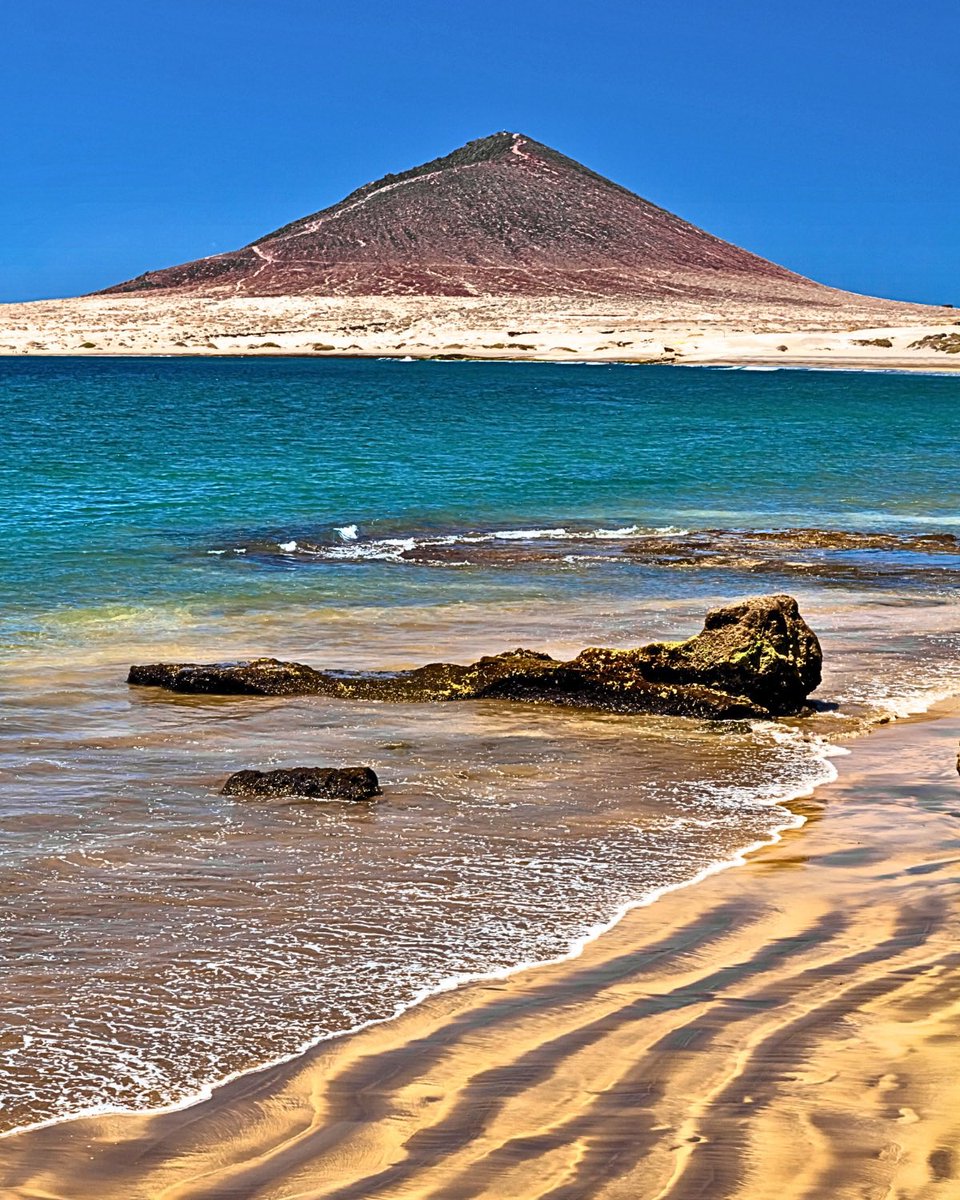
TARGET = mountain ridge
(485,149)
(501,215)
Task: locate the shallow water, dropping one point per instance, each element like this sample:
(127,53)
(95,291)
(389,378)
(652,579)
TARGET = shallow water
(157,936)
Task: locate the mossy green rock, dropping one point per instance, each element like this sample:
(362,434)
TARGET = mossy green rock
(761,648)
(755,659)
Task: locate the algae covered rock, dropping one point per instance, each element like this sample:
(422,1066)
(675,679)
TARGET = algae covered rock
(754,659)
(259,677)
(449,681)
(618,681)
(762,649)
(311,783)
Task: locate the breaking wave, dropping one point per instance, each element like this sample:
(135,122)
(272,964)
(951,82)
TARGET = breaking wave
(825,553)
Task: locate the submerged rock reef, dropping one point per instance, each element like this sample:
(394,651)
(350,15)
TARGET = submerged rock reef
(758,658)
(309,783)
(827,554)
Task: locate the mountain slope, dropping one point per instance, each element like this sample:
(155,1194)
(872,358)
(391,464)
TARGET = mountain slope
(503,215)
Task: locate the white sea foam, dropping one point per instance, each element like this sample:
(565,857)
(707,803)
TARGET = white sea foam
(776,796)
(594,558)
(520,535)
(385,550)
(392,549)
(911,702)
(350,545)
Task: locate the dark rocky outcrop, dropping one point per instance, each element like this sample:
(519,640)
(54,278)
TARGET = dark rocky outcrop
(312,783)
(818,553)
(261,677)
(761,648)
(759,658)
(754,659)
(693,546)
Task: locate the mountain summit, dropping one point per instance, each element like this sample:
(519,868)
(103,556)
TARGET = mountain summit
(503,215)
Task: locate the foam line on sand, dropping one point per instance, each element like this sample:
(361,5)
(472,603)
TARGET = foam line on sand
(784,1029)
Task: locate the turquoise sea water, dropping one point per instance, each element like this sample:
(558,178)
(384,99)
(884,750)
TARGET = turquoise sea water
(157,936)
(119,476)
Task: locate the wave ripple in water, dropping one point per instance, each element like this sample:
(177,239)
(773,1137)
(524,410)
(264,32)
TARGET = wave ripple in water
(162,935)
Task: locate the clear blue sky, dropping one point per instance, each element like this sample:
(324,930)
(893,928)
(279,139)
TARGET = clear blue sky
(139,133)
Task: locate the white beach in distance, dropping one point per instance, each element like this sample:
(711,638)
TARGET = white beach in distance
(502,249)
(554,329)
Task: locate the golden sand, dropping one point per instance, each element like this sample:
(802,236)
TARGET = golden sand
(784,1029)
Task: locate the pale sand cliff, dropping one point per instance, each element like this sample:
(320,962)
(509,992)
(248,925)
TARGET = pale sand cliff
(784,1029)
(560,328)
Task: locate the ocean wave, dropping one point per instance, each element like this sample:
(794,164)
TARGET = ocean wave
(812,768)
(348,542)
(897,699)
(878,549)
(872,555)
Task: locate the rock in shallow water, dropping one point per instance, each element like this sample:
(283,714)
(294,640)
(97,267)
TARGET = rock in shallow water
(313,783)
(261,677)
(754,659)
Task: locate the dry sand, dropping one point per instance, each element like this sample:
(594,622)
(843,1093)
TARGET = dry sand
(544,328)
(784,1029)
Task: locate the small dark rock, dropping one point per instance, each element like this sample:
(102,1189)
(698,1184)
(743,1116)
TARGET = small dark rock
(311,783)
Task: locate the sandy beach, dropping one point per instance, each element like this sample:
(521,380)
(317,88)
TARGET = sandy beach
(855,333)
(449,751)
(780,1029)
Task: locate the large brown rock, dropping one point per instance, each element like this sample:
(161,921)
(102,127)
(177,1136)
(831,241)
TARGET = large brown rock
(312,783)
(761,648)
(754,659)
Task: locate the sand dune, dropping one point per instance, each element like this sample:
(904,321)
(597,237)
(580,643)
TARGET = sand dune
(782,1030)
(556,328)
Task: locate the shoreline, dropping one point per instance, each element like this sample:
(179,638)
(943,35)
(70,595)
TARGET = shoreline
(455,983)
(894,367)
(271,1083)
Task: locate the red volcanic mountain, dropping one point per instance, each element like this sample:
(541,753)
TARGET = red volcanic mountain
(503,215)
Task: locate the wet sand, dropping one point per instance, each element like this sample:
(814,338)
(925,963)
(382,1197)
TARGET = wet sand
(783,1029)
